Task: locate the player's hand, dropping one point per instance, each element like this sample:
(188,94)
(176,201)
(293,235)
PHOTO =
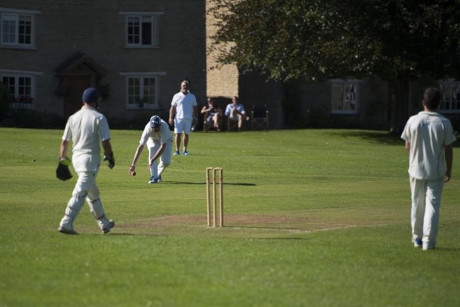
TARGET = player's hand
(110,160)
(132,170)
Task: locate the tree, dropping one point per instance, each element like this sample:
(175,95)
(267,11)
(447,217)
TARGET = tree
(317,40)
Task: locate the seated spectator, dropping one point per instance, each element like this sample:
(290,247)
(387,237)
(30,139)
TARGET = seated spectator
(235,111)
(213,115)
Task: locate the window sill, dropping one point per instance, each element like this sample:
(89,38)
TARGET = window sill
(354,112)
(141,47)
(144,107)
(22,106)
(21,47)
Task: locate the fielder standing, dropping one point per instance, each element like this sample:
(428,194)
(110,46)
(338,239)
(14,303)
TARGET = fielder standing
(87,129)
(429,137)
(183,114)
(158,138)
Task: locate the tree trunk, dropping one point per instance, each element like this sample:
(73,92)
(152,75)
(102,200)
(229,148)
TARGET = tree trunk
(291,105)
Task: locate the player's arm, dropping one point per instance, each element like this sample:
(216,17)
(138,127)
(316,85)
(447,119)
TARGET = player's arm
(137,154)
(172,113)
(63,149)
(108,153)
(158,153)
(107,147)
(407,146)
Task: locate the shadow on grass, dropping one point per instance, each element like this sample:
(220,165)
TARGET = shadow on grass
(204,183)
(380,137)
(443,249)
(267,228)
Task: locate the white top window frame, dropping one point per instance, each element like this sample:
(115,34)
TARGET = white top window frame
(154,18)
(349,100)
(15,14)
(155,75)
(450,91)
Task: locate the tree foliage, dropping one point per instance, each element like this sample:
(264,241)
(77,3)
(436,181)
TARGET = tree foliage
(317,39)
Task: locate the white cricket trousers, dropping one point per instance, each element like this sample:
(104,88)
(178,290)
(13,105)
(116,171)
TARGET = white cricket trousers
(165,159)
(426,203)
(85,189)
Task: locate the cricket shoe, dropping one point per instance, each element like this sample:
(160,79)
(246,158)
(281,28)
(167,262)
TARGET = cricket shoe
(417,243)
(153,180)
(185,153)
(176,153)
(67,231)
(109,226)
(428,246)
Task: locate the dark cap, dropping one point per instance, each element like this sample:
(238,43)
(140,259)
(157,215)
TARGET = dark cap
(90,95)
(155,122)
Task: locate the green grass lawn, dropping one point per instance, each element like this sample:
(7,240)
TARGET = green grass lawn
(312,218)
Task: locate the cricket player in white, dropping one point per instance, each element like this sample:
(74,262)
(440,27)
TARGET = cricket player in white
(429,137)
(183,114)
(158,138)
(87,129)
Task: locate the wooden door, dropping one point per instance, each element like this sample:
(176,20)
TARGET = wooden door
(76,86)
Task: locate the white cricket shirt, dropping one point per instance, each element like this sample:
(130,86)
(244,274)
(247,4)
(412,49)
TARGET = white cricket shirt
(149,136)
(86,128)
(427,133)
(184,105)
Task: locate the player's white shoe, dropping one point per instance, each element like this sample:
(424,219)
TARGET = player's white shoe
(67,231)
(105,224)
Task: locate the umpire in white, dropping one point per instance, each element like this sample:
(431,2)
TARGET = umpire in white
(87,129)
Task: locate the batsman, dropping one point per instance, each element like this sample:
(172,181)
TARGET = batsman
(87,129)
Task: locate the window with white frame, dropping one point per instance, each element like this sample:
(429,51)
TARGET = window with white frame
(142,92)
(344,96)
(141,30)
(17,28)
(450,90)
(20,87)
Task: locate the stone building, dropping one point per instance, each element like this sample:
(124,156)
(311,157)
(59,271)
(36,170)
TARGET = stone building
(137,52)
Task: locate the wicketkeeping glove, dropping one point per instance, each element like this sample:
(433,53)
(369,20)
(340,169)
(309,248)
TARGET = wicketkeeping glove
(62,171)
(110,160)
